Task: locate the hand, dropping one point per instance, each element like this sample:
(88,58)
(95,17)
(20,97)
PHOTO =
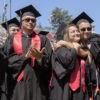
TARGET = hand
(33,52)
(89,46)
(90,57)
(77,47)
(29,53)
(58,45)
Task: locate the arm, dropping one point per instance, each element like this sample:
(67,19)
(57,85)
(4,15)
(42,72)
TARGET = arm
(62,43)
(83,53)
(63,61)
(15,61)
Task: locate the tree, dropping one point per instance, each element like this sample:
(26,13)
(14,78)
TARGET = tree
(58,16)
(39,26)
(0,19)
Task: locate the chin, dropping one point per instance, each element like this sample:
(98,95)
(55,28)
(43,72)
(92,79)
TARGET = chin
(30,28)
(86,38)
(77,41)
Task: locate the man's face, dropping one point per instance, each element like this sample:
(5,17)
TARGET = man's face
(85,30)
(13,30)
(28,22)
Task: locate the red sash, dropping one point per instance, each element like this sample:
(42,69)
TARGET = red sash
(74,82)
(83,74)
(17,44)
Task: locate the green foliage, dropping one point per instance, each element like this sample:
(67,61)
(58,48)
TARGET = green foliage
(39,26)
(4,19)
(0,19)
(58,16)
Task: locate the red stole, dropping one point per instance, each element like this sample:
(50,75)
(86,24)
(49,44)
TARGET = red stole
(17,44)
(74,82)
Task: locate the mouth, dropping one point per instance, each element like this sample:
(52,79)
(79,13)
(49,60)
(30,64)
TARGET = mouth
(29,25)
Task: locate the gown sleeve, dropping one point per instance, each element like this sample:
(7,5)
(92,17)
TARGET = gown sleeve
(15,61)
(44,69)
(63,62)
(46,56)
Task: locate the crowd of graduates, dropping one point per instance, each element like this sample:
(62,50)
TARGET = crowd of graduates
(30,69)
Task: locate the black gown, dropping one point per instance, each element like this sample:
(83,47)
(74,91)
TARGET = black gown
(35,82)
(3,66)
(92,72)
(95,50)
(63,63)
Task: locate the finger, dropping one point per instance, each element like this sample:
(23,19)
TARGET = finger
(56,48)
(35,50)
(35,44)
(42,50)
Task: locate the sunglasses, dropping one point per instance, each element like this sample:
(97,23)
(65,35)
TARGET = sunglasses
(84,29)
(29,19)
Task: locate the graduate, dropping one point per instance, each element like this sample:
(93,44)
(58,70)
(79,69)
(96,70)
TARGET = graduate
(66,83)
(83,21)
(29,67)
(12,26)
(3,64)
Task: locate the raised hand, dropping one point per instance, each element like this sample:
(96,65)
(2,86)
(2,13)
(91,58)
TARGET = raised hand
(33,52)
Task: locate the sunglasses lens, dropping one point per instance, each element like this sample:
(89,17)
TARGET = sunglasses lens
(89,29)
(83,29)
(28,20)
(33,20)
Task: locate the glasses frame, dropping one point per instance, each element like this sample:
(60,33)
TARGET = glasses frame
(84,29)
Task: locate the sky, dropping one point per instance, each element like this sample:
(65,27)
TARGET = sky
(45,7)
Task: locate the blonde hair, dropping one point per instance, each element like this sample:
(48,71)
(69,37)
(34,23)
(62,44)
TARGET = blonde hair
(66,36)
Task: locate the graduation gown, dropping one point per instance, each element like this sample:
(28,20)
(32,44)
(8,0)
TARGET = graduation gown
(93,74)
(3,66)
(63,63)
(95,50)
(35,83)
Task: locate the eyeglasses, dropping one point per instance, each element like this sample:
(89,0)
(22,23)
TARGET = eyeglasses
(84,29)
(29,19)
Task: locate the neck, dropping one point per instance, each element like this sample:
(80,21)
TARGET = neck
(83,42)
(27,31)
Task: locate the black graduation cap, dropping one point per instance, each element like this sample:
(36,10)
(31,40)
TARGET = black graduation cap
(61,31)
(10,23)
(28,10)
(84,16)
(43,32)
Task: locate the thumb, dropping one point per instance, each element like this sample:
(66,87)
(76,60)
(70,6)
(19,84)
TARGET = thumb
(35,44)
(42,50)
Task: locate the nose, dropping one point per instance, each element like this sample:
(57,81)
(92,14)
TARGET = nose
(16,31)
(77,33)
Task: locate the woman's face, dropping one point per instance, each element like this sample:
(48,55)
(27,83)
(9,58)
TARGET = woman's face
(74,35)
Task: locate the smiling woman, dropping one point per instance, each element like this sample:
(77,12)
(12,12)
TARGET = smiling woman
(68,81)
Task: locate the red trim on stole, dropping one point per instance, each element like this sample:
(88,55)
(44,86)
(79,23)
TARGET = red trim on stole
(17,44)
(83,74)
(74,82)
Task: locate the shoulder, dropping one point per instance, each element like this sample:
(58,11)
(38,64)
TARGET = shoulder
(43,37)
